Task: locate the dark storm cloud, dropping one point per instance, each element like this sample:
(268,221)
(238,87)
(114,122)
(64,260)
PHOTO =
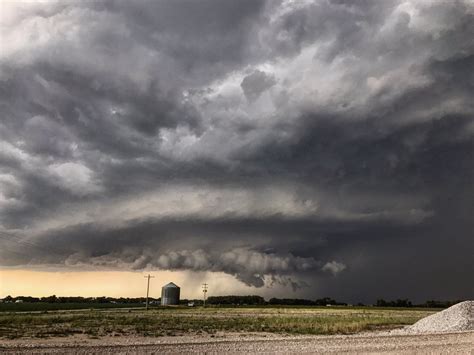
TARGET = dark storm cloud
(255,83)
(299,143)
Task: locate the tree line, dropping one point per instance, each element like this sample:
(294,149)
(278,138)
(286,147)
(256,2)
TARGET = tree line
(250,300)
(76,299)
(407,303)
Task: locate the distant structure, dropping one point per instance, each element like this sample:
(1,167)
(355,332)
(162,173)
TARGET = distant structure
(170,294)
(204,293)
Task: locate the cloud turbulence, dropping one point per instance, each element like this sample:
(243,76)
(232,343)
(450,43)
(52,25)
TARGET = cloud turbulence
(324,145)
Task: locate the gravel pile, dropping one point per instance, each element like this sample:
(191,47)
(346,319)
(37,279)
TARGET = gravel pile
(459,317)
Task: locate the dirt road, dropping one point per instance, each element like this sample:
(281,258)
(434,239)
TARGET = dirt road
(453,343)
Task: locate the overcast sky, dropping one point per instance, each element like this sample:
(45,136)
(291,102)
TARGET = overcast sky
(323,147)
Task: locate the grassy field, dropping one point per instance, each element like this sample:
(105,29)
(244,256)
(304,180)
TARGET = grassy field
(178,321)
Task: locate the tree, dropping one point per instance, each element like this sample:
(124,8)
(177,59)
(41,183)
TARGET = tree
(50,299)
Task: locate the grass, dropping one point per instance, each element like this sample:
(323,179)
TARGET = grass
(178,321)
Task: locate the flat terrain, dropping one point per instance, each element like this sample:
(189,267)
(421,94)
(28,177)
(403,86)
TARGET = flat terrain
(197,321)
(223,330)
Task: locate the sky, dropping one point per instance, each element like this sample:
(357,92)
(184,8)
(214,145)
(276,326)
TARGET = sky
(280,148)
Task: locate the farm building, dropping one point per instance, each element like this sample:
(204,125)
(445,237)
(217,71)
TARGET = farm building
(170,294)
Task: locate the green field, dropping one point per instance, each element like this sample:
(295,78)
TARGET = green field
(181,320)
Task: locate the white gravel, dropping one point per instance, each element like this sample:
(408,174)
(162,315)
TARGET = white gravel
(457,318)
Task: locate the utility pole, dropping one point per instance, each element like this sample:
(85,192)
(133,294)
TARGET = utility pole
(148,288)
(204,291)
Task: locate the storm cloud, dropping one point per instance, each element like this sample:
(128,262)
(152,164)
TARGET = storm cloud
(325,144)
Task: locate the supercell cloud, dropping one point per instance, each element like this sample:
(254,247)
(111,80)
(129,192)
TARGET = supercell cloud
(323,145)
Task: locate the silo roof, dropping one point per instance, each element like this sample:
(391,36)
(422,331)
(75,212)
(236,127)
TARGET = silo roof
(171,284)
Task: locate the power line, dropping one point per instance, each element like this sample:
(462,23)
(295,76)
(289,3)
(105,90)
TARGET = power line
(148,288)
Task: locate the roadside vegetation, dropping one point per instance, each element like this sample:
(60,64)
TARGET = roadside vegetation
(183,320)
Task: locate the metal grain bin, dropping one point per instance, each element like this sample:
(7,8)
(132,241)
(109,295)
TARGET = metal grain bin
(170,294)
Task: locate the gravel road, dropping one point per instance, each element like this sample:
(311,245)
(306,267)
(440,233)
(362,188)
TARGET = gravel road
(447,343)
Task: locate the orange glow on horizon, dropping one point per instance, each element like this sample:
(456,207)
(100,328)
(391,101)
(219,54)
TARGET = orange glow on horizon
(16,282)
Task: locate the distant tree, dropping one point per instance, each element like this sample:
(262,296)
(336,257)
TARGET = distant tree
(291,302)
(236,300)
(396,303)
(381,303)
(102,299)
(325,301)
(304,302)
(29,299)
(402,303)
(8,299)
(438,304)
(50,299)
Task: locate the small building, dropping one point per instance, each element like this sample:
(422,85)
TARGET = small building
(170,294)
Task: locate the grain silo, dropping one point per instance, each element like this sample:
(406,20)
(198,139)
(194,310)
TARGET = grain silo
(170,294)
